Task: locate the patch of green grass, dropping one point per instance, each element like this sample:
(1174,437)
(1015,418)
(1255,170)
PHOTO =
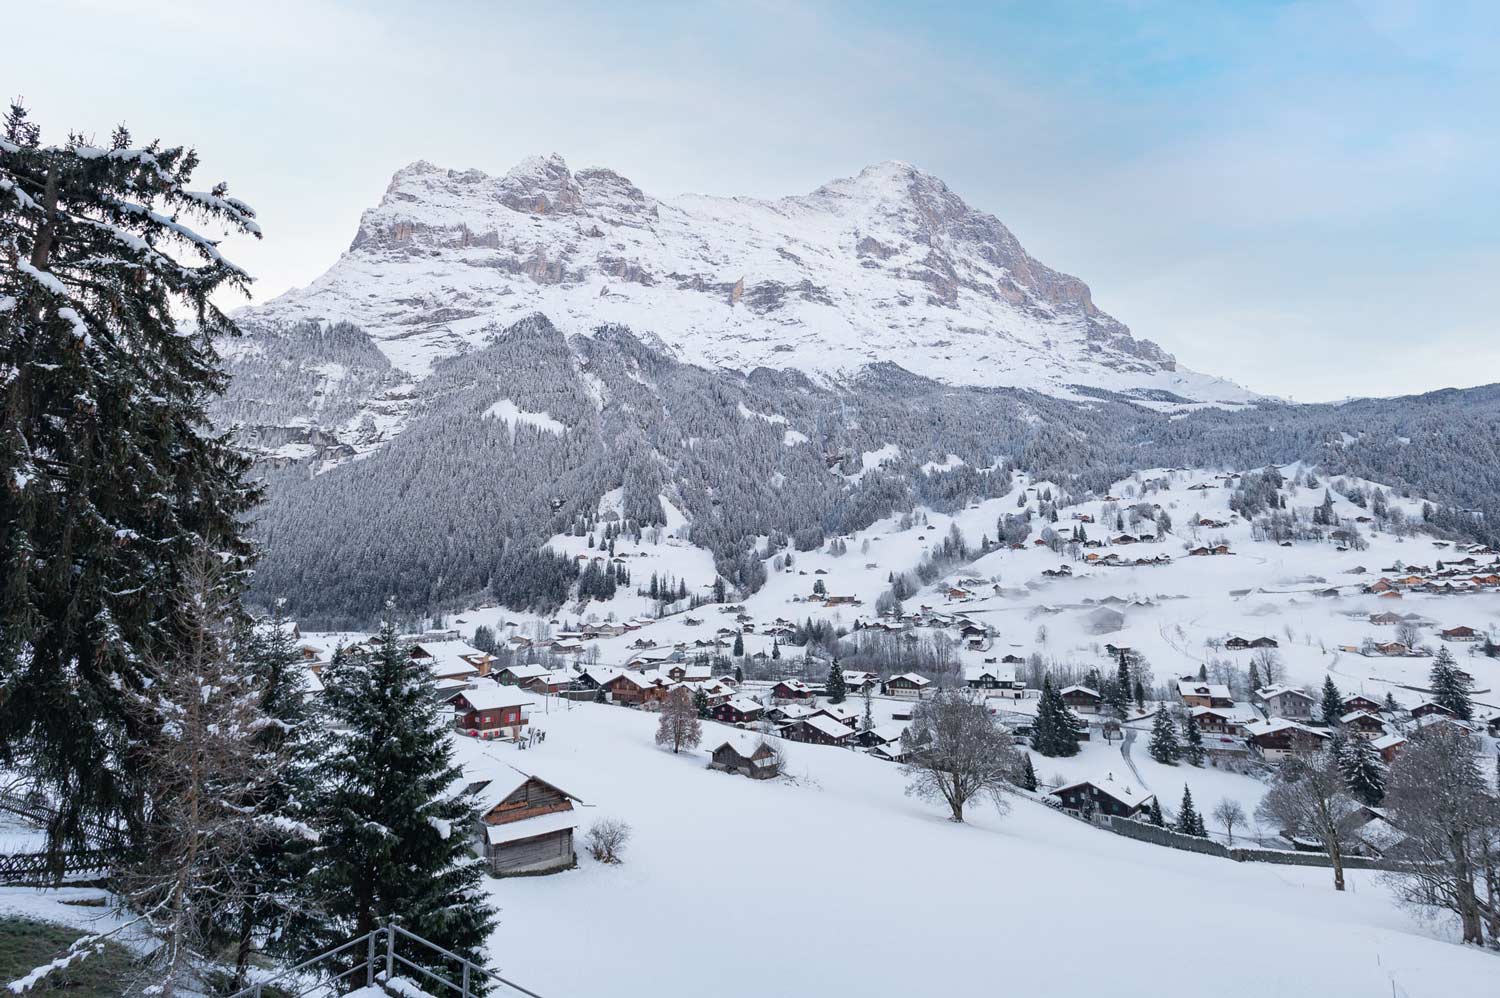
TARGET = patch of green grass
(26,945)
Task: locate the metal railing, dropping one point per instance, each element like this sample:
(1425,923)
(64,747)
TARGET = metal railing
(377,959)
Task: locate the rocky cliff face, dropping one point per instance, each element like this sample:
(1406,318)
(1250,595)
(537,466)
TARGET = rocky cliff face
(889,266)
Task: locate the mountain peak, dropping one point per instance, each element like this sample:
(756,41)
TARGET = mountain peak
(888,265)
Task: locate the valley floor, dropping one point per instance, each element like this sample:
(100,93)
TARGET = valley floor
(832,880)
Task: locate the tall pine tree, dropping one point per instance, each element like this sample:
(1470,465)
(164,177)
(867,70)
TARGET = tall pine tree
(1026,778)
(1164,747)
(1192,742)
(396,837)
(1189,821)
(1450,686)
(113,480)
(1362,771)
(1056,730)
(277,861)
(836,689)
(1333,702)
(1118,692)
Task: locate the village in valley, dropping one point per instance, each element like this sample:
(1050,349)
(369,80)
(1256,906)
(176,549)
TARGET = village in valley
(1154,655)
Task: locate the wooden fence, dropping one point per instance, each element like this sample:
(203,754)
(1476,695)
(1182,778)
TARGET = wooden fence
(40,868)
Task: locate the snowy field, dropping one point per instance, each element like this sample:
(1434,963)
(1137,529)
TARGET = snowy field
(834,880)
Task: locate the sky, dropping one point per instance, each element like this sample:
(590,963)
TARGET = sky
(1302,197)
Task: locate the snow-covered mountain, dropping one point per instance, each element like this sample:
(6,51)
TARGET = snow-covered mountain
(887,266)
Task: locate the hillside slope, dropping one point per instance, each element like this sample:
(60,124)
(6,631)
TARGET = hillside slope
(839,882)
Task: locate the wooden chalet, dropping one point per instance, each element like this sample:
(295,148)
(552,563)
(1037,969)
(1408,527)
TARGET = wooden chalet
(757,760)
(1460,633)
(792,691)
(1279,739)
(525,823)
(1200,694)
(1002,682)
(1286,701)
(516,675)
(451,659)
(1389,747)
(636,689)
(1357,701)
(682,673)
(1361,724)
(1219,721)
(738,710)
(491,711)
(1082,699)
(1106,796)
(555,681)
(1445,723)
(1429,709)
(819,729)
(594,677)
(908,685)
(845,713)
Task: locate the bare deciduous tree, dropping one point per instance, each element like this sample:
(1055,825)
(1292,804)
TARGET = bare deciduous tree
(606,840)
(1437,796)
(957,752)
(1308,799)
(679,726)
(1268,663)
(203,774)
(1229,813)
(1409,634)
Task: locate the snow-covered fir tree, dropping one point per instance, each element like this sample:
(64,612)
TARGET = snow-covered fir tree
(1363,772)
(1056,730)
(395,819)
(1026,779)
(277,861)
(113,480)
(1164,747)
(1333,702)
(1450,686)
(836,689)
(1192,741)
(1118,692)
(1189,821)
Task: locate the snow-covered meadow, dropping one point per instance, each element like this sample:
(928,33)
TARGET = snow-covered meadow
(834,879)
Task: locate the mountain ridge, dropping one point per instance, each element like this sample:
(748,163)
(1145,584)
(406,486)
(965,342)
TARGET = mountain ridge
(889,265)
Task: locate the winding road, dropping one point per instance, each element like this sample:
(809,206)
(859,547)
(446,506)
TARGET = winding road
(1125,744)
